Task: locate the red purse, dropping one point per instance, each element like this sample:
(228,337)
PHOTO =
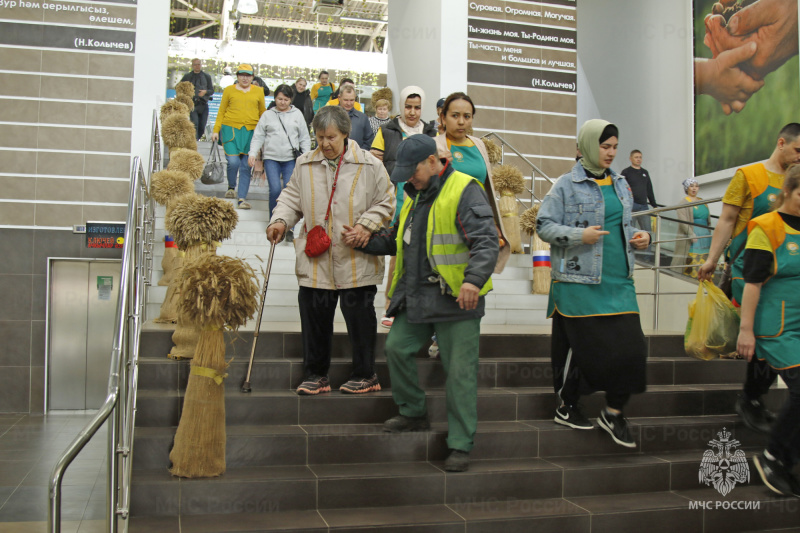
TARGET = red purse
(317,240)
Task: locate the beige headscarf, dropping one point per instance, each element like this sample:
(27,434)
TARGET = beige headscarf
(589,144)
(404,94)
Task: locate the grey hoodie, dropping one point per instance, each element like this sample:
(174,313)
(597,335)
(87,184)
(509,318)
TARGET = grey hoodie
(277,143)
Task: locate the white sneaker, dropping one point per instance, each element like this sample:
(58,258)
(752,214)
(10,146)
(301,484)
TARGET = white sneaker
(230,193)
(433,351)
(243,204)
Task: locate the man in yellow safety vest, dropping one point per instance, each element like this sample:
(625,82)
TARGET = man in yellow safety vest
(446,246)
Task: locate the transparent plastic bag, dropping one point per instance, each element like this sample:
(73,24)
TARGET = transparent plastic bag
(713,326)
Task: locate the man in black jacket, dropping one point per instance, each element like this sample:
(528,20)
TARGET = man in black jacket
(203,91)
(642,188)
(439,285)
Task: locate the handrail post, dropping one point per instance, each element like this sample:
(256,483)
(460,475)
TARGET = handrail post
(656,272)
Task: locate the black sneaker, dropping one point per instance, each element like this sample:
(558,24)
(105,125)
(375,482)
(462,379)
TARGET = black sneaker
(776,476)
(754,415)
(457,461)
(401,423)
(360,386)
(567,415)
(617,427)
(314,385)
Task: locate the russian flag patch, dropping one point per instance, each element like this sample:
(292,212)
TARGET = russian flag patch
(541,258)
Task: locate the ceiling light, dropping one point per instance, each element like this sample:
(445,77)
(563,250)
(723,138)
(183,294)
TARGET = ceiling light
(247,7)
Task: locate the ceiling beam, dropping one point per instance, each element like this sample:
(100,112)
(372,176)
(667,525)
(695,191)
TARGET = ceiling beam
(200,12)
(378,31)
(196,29)
(228,31)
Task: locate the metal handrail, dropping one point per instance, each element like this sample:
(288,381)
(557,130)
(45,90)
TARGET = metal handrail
(123,375)
(657,268)
(536,169)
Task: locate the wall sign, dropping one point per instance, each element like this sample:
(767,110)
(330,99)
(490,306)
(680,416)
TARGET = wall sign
(105,234)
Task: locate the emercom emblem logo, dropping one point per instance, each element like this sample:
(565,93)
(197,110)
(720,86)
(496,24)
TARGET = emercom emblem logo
(723,466)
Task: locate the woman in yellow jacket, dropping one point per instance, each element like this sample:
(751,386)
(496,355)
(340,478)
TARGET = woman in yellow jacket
(772,334)
(239,111)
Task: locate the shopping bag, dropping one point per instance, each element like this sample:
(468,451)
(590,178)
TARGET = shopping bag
(215,170)
(713,326)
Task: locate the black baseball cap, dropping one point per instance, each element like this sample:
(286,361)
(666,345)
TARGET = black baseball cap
(412,151)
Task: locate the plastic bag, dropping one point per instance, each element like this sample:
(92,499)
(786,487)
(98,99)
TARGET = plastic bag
(713,326)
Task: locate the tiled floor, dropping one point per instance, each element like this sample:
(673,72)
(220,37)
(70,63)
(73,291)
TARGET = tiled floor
(30,445)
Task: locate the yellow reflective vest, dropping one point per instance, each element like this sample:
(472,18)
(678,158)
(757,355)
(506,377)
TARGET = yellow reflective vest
(447,252)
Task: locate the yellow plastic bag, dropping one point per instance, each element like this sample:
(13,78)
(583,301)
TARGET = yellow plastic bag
(713,325)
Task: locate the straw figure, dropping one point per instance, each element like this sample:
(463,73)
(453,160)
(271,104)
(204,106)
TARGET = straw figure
(189,161)
(382,94)
(172,107)
(216,292)
(167,186)
(494,152)
(184,88)
(198,224)
(540,252)
(186,100)
(508,182)
(178,132)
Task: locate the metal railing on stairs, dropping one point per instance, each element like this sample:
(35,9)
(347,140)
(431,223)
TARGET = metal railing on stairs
(119,408)
(658,239)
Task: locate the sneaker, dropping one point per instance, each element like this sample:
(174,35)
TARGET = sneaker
(314,385)
(401,424)
(387,321)
(566,415)
(754,415)
(230,193)
(617,427)
(243,204)
(289,236)
(776,476)
(360,386)
(457,461)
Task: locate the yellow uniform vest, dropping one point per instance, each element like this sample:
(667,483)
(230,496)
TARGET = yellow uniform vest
(447,252)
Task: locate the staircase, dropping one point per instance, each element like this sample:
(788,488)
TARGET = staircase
(323,464)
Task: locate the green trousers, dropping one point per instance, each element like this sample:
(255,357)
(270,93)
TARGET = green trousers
(458,348)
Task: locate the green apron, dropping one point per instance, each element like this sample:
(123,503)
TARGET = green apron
(777,320)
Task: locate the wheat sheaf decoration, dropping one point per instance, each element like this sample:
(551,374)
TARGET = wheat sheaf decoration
(509,182)
(178,132)
(168,185)
(494,152)
(185,88)
(196,219)
(172,107)
(527,220)
(216,292)
(189,161)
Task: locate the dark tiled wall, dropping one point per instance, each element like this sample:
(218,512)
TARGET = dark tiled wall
(23,290)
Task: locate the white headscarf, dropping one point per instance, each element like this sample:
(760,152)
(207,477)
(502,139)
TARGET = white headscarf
(404,94)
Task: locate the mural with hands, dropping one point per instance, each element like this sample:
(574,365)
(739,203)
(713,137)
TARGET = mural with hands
(746,79)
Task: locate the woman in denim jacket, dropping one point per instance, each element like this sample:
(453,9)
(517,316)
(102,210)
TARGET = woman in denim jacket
(597,341)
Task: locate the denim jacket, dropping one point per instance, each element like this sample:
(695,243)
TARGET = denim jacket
(574,203)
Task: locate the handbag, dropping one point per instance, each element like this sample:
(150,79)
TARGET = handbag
(296,152)
(317,240)
(215,169)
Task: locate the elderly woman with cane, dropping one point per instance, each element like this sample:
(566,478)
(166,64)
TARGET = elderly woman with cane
(336,185)
(598,343)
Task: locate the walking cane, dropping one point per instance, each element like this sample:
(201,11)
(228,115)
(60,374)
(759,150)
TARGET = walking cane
(246,384)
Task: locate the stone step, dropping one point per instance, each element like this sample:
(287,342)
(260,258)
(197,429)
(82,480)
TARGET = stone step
(272,374)
(282,339)
(340,486)
(291,444)
(162,408)
(655,512)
